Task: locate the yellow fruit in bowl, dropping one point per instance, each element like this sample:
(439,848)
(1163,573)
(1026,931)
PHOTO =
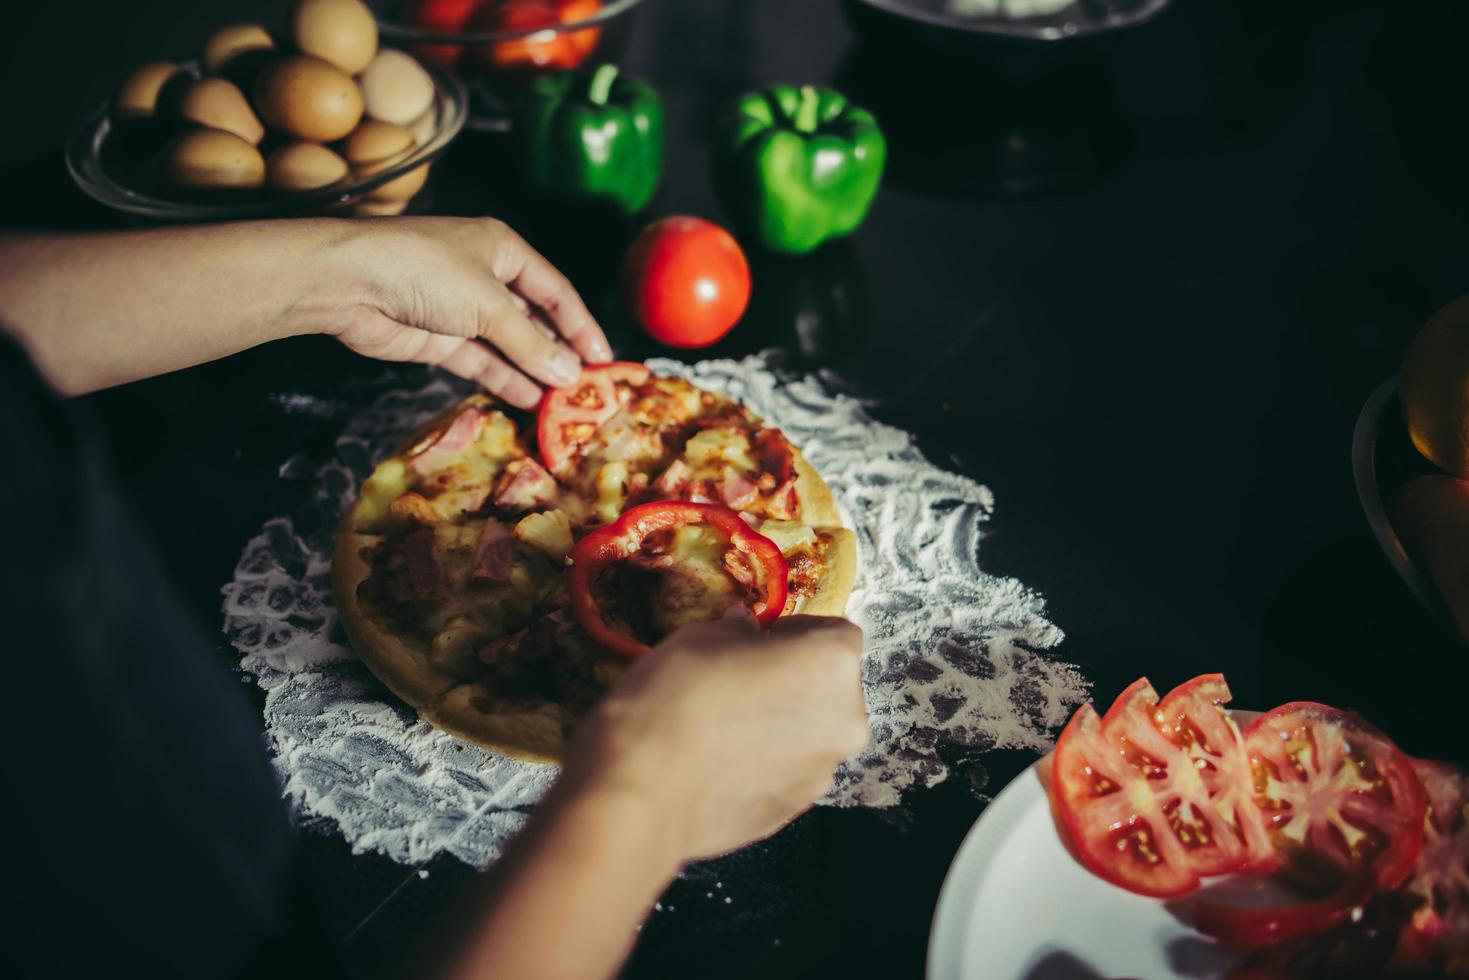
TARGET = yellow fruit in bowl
(1434,386)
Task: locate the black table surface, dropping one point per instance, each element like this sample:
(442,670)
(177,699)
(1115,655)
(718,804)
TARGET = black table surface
(1140,291)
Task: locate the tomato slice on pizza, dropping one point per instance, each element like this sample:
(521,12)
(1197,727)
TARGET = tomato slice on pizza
(665,563)
(569,417)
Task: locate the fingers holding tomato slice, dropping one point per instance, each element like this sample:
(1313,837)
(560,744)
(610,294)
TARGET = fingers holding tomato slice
(1333,786)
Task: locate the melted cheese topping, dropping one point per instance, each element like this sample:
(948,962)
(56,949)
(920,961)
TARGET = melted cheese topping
(790,537)
(497,439)
(389,482)
(549,532)
(396,494)
(710,452)
(492,606)
(610,489)
(632,443)
(694,585)
(453,648)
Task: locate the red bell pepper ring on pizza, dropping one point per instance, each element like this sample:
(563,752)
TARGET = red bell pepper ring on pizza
(640,538)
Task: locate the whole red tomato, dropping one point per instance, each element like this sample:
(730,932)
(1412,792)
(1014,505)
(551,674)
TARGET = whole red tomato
(686,281)
(544,50)
(440,17)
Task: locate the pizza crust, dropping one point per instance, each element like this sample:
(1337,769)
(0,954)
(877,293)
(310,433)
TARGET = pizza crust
(404,669)
(470,710)
(836,585)
(818,506)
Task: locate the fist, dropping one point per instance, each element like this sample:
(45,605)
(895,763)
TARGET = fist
(730,731)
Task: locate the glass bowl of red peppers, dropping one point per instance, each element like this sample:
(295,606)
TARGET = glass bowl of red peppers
(497,45)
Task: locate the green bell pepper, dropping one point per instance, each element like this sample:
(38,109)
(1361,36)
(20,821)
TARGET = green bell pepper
(798,166)
(592,136)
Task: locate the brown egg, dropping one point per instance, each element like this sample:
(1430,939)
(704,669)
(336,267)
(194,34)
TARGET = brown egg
(140,93)
(339,31)
(218,104)
(374,147)
(211,159)
(402,188)
(227,43)
(395,88)
(371,208)
(308,99)
(304,167)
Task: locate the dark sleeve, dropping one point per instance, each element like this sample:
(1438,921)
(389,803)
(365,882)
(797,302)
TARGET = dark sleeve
(151,830)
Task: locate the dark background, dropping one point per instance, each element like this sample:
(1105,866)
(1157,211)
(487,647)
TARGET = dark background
(1140,289)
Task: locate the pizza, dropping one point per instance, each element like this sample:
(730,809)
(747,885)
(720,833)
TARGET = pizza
(501,569)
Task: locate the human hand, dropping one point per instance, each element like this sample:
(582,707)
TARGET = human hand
(470,296)
(728,732)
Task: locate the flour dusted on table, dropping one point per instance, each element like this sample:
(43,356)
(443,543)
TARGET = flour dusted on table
(955,657)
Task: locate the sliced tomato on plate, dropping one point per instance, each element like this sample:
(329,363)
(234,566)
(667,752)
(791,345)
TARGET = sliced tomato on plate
(1193,755)
(1116,825)
(1440,880)
(1421,929)
(1255,928)
(570,416)
(1441,876)
(1335,787)
(1156,794)
(1332,789)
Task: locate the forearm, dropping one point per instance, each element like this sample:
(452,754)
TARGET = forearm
(566,899)
(101,309)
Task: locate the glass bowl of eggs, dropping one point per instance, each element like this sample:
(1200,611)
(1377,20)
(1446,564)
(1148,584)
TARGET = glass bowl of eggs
(314,119)
(497,45)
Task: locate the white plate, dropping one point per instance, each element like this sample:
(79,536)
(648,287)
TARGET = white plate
(1017,906)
